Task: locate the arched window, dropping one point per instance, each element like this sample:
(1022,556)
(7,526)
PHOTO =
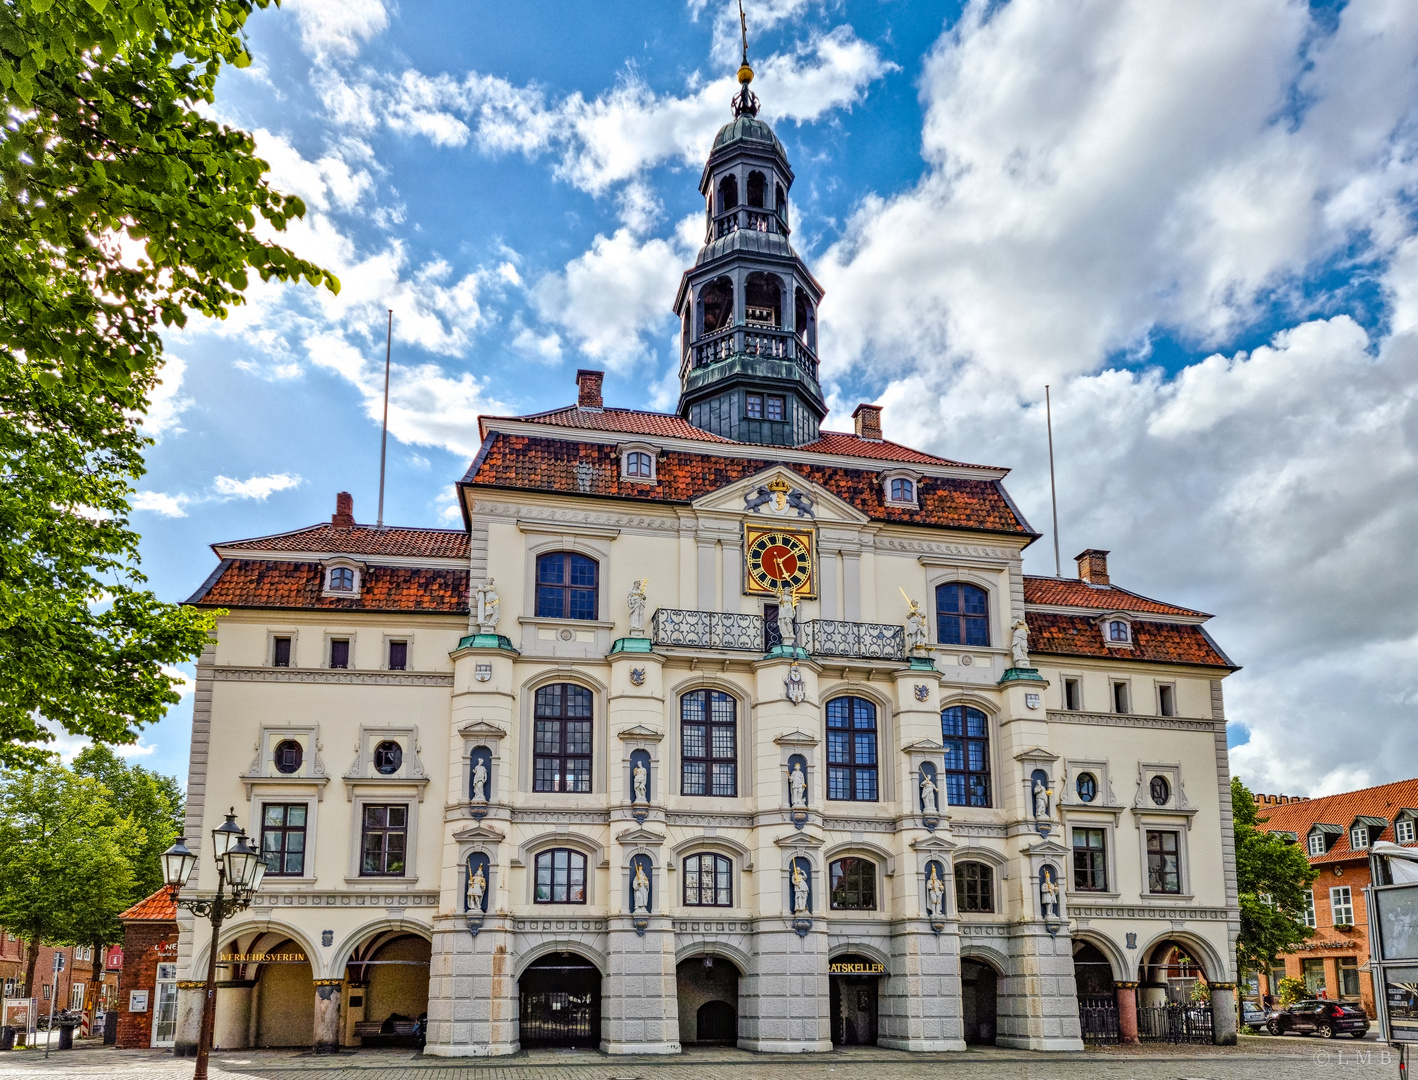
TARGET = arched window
(708,881)
(566,586)
(708,744)
(763,299)
(903,491)
(962,614)
(1118,631)
(341,579)
(728,192)
(851,749)
(716,305)
(638,463)
(782,201)
(756,185)
(853,884)
(804,319)
(561,757)
(561,877)
(974,887)
(966,735)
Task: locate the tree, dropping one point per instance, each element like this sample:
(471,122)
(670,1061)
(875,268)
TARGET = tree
(122,209)
(65,874)
(1272,876)
(150,800)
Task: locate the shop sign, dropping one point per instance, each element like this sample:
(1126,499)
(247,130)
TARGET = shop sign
(263,958)
(115,959)
(844,968)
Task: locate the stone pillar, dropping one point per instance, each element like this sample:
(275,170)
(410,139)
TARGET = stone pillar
(920,1007)
(189,1018)
(232,1030)
(1223,1014)
(640,996)
(786,1003)
(1037,999)
(472,992)
(1127,1012)
(326,1037)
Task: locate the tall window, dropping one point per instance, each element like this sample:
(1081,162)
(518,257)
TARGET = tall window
(561,759)
(280,652)
(1341,906)
(1090,860)
(851,749)
(962,614)
(1120,697)
(283,839)
(398,655)
(1348,976)
(561,877)
(708,881)
(340,652)
(853,884)
(566,586)
(1309,913)
(1167,700)
(974,887)
(1164,868)
(1073,695)
(708,744)
(966,734)
(384,841)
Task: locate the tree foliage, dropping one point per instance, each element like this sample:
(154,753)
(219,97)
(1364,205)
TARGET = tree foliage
(123,206)
(65,869)
(151,801)
(1272,876)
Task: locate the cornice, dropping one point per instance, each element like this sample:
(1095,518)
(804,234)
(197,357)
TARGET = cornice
(1111,612)
(323,675)
(1164,723)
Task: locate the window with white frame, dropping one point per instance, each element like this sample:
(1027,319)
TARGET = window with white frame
(900,489)
(1341,906)
(1403,830)
(1309,914)
(637,462)
(1166,699)
(1359,837)
(1317,843)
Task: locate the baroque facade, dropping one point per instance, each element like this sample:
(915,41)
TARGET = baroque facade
(709,726)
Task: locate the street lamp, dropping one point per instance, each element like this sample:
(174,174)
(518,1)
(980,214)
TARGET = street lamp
(240,867)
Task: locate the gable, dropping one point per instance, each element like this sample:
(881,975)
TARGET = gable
(804,503)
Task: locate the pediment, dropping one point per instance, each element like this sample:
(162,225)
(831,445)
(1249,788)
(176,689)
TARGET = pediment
(1050,847)
(935,844)
(481,729)
(480,832)
(737,497)
(800,839)
(1038,754)
(640,733)
(923,746)
(796,738)
(640,836)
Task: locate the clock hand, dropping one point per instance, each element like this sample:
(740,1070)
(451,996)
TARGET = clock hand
(777,568)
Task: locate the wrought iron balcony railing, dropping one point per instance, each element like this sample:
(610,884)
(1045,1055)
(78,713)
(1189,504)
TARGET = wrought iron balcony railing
(707,629)
(766,341)
(870,641)
(750,633)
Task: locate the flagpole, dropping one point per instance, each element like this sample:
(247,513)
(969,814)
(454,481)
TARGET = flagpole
(384,436)
(1053,491)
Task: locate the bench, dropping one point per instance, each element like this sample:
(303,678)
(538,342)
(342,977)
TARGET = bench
(374,1029)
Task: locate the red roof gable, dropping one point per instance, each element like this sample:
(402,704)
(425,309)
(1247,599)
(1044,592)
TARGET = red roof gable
(362,540)
(536,464)
(260,583)
(1384,801)
(1160,643)
(1071,592)
(160,907)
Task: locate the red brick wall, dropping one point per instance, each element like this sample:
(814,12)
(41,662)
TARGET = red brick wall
(142,952)
(1328,944)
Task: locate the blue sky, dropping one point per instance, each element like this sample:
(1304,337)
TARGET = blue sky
(1193,220)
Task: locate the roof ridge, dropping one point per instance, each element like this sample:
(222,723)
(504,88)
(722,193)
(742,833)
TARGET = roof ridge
(1313,800)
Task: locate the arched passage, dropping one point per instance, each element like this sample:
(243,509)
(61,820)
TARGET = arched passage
(559,1001)
(265,993)
(1092,973)
(979,993)
(855,984)
(708,991)
(1170,970)
(386,981)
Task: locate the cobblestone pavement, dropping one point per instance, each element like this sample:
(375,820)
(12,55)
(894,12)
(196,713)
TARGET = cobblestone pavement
(1255,1059)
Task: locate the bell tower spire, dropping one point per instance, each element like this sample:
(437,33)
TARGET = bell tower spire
(748,305)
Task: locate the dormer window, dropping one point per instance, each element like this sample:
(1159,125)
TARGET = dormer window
(1317,843)
(1117,630)
(903,491)
(900,488)
(637,463)
(1359,837)
(341,579)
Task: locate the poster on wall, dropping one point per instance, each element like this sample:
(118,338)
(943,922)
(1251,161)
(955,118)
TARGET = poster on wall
(137,1001)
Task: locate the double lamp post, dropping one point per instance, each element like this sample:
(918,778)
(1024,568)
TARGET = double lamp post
(240,870)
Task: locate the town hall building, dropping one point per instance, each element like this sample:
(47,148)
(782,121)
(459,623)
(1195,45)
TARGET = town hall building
(710,726)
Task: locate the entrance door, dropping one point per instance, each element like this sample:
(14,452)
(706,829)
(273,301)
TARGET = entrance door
(853,1004)
(977,993)
(165,1008)
(560,1000)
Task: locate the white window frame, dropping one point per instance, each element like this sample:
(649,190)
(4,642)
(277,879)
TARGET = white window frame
(331,636)
(1359,837)
(626,449)
(1308,915)
(258,815)
(332,565)
(361,798)
(1184,880)
(1315,840)
(1341,900)
(389,639)
(890,475)
(1403,830)
(277,632)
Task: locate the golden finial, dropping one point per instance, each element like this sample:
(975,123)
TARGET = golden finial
(745,72)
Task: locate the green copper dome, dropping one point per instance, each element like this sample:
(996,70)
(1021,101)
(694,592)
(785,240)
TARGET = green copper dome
(747,129)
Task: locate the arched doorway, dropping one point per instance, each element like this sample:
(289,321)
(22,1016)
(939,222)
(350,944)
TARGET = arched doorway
(387,990)
(708,989)
(1098,1015)
(1092,974)
(854,983)
(979,988)
(265,994)
(560,1002)
(1173,972)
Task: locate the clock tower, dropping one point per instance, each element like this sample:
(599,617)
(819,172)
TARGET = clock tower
(748,305)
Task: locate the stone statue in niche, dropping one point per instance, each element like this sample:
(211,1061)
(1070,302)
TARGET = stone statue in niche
(641,885)
(636,602)
(489,607)
(797,787)
(1019,643)
(640,781)
(1048,893)
(916,627)
(479,781)
(477,888)
(1041,800)
(794,686)
(928,800)
(935,895)
(787,616)
(799,890)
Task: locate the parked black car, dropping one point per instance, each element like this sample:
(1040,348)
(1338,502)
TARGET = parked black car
(1325,1018)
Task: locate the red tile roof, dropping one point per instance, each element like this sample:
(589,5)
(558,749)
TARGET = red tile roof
(524,463)
(1384,801)
(839,442)
(258,583)
(362,540)
(1071,592)
(629,421)
(1160,643)
(160,907)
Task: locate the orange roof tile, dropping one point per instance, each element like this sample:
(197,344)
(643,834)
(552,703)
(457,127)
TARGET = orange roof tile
(1384,801)
(628,421)
(1153,642)
(259,583)
(160,907)
(840,442)
(1071,592)
(361,540)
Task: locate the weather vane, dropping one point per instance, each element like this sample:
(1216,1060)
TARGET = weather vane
(743,29)
(745,103)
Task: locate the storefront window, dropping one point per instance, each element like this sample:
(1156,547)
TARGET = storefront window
(1349,976)
(1313,973)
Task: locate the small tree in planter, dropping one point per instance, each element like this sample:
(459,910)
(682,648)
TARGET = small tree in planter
(1292,990)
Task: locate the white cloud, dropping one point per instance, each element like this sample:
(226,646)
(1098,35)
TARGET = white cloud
(173,506)
(257,487)
(166,403)
(337,27)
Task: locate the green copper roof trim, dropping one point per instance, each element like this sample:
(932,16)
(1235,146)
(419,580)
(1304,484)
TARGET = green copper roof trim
(786,652)
(632,644)
(922,663)
(487,641)
(1021,675)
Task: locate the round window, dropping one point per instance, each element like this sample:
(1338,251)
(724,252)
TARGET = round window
(1161,790)
(388,756)
(1087,787)
(289,755)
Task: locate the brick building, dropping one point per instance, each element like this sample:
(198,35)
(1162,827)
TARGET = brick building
(74,982)
(1337,832)
(147,993)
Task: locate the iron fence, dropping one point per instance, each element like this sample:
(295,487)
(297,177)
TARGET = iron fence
(1098,1019)
(707,629)
(1174,1023)
(870,641)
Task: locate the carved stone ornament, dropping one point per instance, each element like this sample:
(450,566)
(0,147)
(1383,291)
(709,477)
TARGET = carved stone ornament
(637,676)
(489,607)
(780,498)
(922,691)
(482,672)
(795,687)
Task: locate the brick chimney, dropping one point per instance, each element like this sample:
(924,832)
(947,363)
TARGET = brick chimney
(589,394)
(1093,566)
(344,511)
(868,421)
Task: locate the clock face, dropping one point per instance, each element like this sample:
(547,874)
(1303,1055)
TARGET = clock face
(779,557)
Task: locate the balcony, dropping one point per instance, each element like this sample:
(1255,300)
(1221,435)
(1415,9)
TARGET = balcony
(760,341)
(748,218)
(750,633)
